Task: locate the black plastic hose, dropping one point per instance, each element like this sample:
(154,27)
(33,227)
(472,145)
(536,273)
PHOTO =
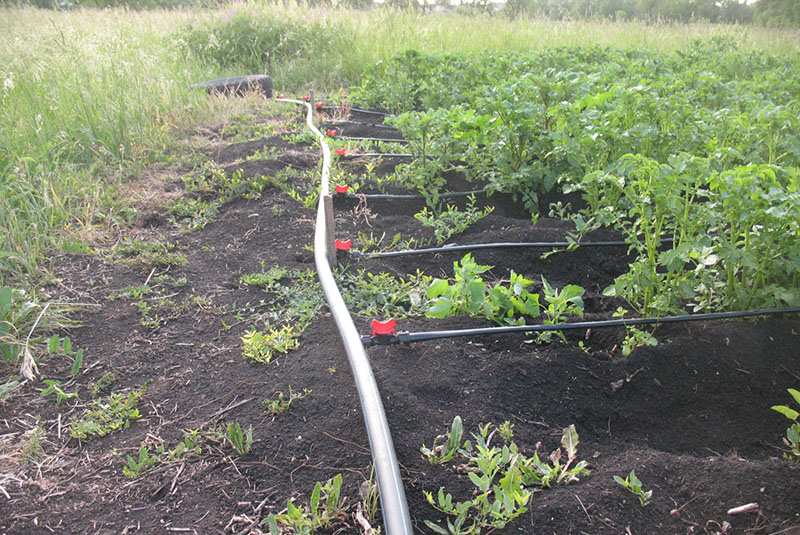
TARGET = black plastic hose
(358,110)
(375,139)
(501,245)
(374,155)
(405,337)
(360,123)
(387,196)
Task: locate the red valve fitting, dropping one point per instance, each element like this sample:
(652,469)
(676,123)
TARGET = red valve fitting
(305,98)
(340,152)
(331,133)
(383,328)
(341,189)
(319,105)
(343,245)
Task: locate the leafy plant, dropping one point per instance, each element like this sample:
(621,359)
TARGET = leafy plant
(506,430)
(450,220)
(560,304)
(266,279)
(632,484)
(55,342)
(446,446)
(465,295)
(383,294)
(326,508)
(135,467)
(146,254)
(542,473)
(281,403)
(30,448)
(106,416)
(190,445)
(503,478)
(792,438)
(95,387)
(241,441)
(55,387)
(261,346)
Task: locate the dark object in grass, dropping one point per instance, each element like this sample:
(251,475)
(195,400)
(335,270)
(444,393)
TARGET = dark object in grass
(238,85)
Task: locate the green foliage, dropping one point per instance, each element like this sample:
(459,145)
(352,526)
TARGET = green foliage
(106,416)
(255,40)
(261,346)
(632,484)
(281,403)
(780,13)
(135,467)
(720,256)
(467,293)
(22,321)
(528,123)
(56,343)
(326,508)
(450,220)
(55,387)
(240,441)
(792,439)
(503,477)
(208,188)
(30,447)
(446,446)
(384,295)
(147,255)
(560,304)
(103,383)
(190,445)
(266,279)
(294,307)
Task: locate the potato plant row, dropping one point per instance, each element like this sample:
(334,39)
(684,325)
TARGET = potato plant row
(701,147)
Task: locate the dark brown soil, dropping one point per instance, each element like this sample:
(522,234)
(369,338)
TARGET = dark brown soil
(690,415)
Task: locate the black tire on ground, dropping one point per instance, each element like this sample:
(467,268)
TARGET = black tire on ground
(238,85)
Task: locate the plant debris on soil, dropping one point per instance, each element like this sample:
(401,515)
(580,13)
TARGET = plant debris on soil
(691,415)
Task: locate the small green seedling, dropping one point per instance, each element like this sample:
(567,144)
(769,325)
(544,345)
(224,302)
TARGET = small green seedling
(792,438)
(136,467)
(326,508)
(281,403)
(242,442)
(633,485)
(506,430)
(444,446)
(55,386)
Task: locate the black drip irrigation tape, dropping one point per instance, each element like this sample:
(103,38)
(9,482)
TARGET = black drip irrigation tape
(374,155)
(406,337)
(357,110)
(387,196)
(375,139)
(361,123)
(501,245)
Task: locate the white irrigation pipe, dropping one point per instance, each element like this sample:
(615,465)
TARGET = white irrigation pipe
(396,518)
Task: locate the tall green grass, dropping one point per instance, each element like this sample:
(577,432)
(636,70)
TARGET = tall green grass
(84,97)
